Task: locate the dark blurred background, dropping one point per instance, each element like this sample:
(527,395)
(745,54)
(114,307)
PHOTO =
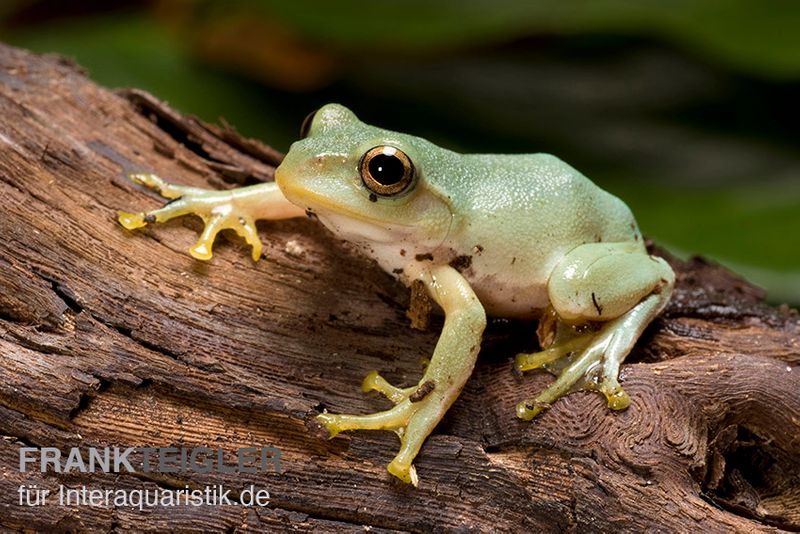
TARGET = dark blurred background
(688,110)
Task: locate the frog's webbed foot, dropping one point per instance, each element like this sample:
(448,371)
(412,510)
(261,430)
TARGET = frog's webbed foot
(603,296)
(235,209)
(419,409)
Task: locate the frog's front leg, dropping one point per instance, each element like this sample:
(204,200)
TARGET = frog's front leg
(419,409)
(235,209)
(616,285)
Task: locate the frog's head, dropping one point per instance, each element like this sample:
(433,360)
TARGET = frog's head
(366,184)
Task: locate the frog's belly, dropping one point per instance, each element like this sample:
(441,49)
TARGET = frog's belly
(510,282)
(507,285)
(518,299)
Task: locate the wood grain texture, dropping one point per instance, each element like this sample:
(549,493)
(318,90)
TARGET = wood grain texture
(117,338)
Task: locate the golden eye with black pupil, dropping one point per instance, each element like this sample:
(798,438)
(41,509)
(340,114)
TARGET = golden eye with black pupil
(305,127)
(386,170)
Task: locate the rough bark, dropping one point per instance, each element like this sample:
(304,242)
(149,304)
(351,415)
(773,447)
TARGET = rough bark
(114,338)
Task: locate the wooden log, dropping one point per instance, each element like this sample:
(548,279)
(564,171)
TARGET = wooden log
(110,338)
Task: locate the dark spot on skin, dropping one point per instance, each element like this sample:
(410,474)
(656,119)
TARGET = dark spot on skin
(423,257)
(513,299)
(373,197)
(423,391)
(461,263)
(513,260)
(660,287)
(636,237)
(331,317)
(596,305)
(310,213)
(478,249)
(149,218)
(598,238)
(402,252)
(397,271)
(633,226)
(540,405)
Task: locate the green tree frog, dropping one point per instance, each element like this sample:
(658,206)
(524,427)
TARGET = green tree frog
(517,236)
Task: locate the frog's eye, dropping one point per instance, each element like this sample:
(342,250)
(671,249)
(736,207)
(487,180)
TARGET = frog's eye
(305,127)
(386,170)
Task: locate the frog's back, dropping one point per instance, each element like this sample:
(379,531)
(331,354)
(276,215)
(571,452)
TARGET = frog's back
(516,216)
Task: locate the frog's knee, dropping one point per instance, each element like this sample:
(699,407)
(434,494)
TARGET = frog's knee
(665,276)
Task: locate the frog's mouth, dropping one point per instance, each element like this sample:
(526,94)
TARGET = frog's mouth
(320,205)
(349,223)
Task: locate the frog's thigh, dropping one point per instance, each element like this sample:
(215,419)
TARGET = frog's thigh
(601,281)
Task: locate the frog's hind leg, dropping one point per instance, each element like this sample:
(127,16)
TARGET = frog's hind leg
(616,285)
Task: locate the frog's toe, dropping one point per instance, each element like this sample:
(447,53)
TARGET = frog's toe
(247,229)
(530,408)
(149,180)
(203,249)
(172,209)
(330,423)
(617,398)
(375,382)
(394,419)
(131,221)
(545,358)
(404,471)
(161,186)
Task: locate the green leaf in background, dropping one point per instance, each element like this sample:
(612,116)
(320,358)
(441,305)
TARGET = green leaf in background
(760,36)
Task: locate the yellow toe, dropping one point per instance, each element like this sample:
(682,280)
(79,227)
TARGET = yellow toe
(618,399)
(404,472)
(201,251)
(131,221)
(330,422)
(529,409)
(369,382)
